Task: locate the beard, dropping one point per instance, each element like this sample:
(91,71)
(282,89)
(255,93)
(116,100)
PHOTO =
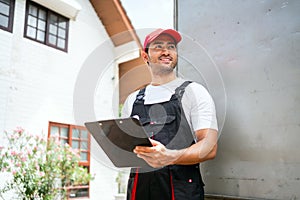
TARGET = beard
(161,70)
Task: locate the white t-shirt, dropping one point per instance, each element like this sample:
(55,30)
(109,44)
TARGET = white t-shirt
(198,106)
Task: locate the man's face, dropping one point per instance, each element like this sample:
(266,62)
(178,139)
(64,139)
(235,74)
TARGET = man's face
(163,52)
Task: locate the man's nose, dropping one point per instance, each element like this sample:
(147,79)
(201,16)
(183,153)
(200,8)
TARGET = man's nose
(165,51)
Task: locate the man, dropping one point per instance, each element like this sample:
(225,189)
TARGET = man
(179,117)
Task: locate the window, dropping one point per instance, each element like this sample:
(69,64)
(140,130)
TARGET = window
(7,14)
(45,26)
(78,138)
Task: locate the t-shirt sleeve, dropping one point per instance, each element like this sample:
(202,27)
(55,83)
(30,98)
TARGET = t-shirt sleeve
(202,111)
(128,104)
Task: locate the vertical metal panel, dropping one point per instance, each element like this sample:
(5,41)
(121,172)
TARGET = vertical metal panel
(255,45)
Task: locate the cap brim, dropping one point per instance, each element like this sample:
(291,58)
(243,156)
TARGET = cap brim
(152,36)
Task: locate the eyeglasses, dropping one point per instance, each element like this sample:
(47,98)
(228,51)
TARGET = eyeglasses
(161,47)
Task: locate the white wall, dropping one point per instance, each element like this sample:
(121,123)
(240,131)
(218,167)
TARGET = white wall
(255,45)
(37,83)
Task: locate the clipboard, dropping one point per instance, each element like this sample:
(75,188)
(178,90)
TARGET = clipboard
(118,138)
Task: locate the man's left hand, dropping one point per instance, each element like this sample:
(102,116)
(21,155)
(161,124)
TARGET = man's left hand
(158,155)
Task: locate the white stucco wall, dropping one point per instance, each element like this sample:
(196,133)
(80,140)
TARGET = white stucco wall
(255,47)
(37,84)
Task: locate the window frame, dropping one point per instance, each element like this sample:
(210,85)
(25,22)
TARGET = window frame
(83,163)
(69,139)
(47,26)
(9,28)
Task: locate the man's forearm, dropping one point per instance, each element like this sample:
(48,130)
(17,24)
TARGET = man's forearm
(203,150)
(193,155)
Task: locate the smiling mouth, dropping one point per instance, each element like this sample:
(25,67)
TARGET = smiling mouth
(166,60)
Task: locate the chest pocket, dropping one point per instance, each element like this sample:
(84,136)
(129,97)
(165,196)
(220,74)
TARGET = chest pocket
(160,128)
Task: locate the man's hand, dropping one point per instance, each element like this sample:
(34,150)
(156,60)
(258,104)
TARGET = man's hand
(158,155)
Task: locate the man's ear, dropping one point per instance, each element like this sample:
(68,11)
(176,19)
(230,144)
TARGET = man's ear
(145,57)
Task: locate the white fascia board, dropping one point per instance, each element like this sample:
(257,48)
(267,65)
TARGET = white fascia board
(127,52)
(67,8)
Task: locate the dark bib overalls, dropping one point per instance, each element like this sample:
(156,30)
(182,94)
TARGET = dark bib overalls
(166,123)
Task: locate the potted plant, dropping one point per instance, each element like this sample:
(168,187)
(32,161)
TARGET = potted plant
(40,169)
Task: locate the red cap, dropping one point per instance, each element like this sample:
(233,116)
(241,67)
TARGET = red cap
(151,36)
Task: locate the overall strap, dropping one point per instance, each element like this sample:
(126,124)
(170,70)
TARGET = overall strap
(180,90)
(140,96)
